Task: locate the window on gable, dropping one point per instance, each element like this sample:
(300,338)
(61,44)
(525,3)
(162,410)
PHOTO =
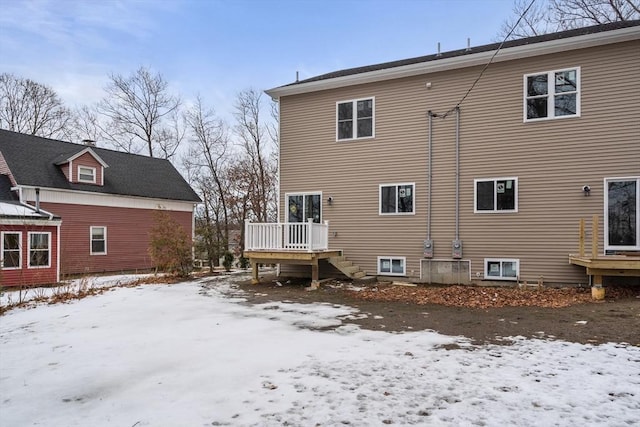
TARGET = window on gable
(98,240)
(11,249)
(86,174)
(392,266)
(39,250)
(355,119)
(496,195)
(396,199)
(501,269)
(552,94)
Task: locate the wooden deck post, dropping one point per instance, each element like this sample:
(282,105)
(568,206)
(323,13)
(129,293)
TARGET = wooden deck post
(254,273)
(315,273)
(594,237)
(581,239)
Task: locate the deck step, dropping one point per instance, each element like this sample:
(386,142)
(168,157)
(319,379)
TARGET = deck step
(348,268)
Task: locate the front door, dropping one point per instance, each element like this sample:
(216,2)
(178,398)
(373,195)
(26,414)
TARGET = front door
(622,223)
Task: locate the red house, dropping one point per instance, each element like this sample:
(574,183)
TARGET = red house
(102,201)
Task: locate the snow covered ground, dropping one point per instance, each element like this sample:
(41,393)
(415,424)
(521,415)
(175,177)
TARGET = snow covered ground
(193,355)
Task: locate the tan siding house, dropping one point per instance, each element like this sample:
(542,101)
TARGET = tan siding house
(391,163)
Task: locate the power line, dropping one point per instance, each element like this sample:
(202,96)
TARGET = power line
(487,64)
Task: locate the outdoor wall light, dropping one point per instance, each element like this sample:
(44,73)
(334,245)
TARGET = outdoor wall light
(586,190)
(330,200)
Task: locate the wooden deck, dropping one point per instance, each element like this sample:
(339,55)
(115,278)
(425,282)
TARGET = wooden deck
(288,257)
(608,265)
(599,265)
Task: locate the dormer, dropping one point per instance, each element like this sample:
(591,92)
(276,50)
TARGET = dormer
(84,167)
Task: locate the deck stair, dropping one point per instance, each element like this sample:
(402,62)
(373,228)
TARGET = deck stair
(347,267)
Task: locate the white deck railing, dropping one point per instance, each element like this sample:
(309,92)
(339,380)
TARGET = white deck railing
(294,236)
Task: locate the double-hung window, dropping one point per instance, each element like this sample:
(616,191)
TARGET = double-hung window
(10,257)
(397,199)
(98,240)
(552,94)
(355,119)
(87,174)
(39,250)
(496,195)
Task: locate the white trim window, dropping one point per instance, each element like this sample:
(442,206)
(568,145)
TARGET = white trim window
(392,266)
(98,236)
(397,199)
(87,174)
(39,249)
(11,256)
(495,195)
(552,95)
(622,214)
(501,268)
(355,119)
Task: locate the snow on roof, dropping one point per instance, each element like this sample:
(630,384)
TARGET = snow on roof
(8,209)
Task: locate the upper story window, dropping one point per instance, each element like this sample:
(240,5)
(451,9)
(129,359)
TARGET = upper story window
(552,95)
(396,199)
(10,257)
(86,174)
(496,195)
(355,119)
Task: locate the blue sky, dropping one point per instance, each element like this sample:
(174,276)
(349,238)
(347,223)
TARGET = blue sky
(219,47)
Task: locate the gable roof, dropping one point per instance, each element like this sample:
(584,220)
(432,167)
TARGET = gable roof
(33,160)
(64,159)
(480,55)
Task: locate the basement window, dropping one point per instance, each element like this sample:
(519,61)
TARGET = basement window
(391,266)
(501,269)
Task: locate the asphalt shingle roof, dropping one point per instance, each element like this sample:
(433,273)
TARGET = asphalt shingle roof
(460,52)
(32,162)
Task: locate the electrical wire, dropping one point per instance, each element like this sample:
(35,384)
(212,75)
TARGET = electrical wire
(443,116)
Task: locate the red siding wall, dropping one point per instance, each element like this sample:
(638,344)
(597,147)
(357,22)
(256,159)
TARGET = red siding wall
(127,237)
(32,276)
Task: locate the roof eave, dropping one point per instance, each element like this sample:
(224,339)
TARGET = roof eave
(463,61)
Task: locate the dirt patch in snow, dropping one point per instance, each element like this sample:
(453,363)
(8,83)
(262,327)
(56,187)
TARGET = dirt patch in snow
(483,314)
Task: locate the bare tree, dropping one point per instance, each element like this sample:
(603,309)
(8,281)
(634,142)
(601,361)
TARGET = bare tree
(257,144)
(206,158)
(140,110)
(32,108)
(548,16)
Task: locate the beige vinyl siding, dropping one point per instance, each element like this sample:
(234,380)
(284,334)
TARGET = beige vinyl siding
(552,160)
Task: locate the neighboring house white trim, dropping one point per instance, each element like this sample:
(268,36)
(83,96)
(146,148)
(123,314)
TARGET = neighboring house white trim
(55,195)
(88,170)
(91,239)
(29,249)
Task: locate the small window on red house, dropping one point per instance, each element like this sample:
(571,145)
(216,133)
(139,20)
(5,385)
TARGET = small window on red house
(39,250)
(87,174)
(10,256)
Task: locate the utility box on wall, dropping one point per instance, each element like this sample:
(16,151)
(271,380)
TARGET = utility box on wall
(456,249)
(428,248)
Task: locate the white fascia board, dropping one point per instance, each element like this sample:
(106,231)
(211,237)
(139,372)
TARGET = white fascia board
(462,61)
(41,222)
(58,195)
